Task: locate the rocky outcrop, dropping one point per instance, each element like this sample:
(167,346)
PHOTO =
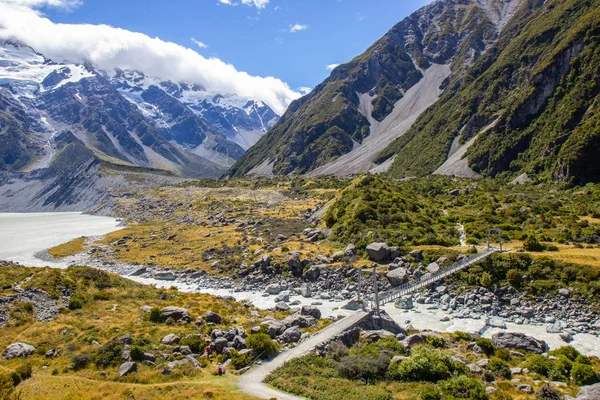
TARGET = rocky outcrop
(378,252)
(18,349)
(519,341)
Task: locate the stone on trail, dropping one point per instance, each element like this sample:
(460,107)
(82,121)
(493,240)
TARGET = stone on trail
(18,349)
(378,252)
(127,368)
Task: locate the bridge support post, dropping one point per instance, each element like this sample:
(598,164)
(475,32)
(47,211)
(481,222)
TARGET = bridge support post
(494,231)
(376,291)
(359,283)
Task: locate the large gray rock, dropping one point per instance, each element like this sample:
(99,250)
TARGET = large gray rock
(496,322)
(433,268)
(413,340)
(177,313)
(213,317)
(18,349)
(274,288)
(378,252)
(127,368)
(305,291)
(295,266)
(374,336)
(291,335)
(311,310)
(164,276)
(397,277)
(218,345)
(274,327)
(404,303)
(519,341)
(282,306)
(171,339)
(591,392)
(313,273)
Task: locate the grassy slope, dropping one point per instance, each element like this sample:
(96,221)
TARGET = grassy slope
(508,81)
(73,331)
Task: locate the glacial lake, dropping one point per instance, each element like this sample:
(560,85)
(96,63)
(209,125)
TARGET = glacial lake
(22,235)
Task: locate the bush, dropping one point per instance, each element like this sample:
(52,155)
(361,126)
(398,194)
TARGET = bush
(486,345)
(514,278)
(539,364)
(425,365)
(154,315)
(363,368)
(435,341)
(80,361)
(337,350)
(239,361)
(460,335)
(568,351)
(547,392)
(262,344)
(532,244)
(108,354)
(485,280)
(75,303)
(463,387)
(499,368)
(583,374)
(430,392)
(503,354)
(196,342)
(136,353)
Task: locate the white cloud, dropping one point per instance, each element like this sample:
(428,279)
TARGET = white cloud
(199,43)
(260,4)
(108,48)
(304,90)
(298,28)
(331,67)
(66,4)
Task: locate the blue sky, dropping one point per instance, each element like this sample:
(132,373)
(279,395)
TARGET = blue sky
(255,39)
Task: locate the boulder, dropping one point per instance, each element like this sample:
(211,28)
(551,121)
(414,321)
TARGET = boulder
(171,339)
(305,291)
(303,321)
(274,327)
(591,392)
(374,336)
(311,310)
(177,313)
(519,341)
(433,268)
(397,277)
(125,339)
(378,252)
(274,288)
(291,335)
(127,368)
(213,317)
(238,342)
(18,349)
(404,303)
(282,306)
(313,273)
(295,266)
(350,250)
(164,276)
(496,322)
(413,340)
(219,344)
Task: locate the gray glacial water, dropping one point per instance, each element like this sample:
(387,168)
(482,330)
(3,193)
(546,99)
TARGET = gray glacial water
(22,235)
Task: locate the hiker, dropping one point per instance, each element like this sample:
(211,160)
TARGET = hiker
(207,351)
(220,369)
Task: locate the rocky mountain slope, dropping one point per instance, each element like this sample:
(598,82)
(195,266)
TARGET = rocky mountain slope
(368,102)
(122,117)
(461,87)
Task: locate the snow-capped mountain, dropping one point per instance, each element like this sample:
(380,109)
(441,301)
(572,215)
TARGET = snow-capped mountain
(122,117)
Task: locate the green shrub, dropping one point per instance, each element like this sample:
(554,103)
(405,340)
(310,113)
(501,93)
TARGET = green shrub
(391,344)
(463,387)
(430,392)
(239,361)
(80,361)
(136,353)
(485,280)
(435,341)
(539,364)
(583,374)
(460,335)
(547,392)
(363,368)
(532,244)
(514,278)
(424,365)
(568,351)
(196,342)
(561,369)
(75,303)
(503,354)
(486,345)
(337,350)
(154,315)
(262,344)
(500,368)
(108,354)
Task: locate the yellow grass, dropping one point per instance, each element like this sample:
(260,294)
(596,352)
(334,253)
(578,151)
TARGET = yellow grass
(565,253)
(70,248)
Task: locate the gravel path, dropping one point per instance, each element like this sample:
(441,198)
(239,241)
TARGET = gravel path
(252,382)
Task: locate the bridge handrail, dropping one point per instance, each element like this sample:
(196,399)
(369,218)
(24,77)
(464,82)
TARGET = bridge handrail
(442,273)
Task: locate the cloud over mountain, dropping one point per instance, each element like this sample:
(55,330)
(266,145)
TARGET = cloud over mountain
(108,47)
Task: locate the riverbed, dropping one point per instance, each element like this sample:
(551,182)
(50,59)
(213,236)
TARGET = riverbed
(23,235)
